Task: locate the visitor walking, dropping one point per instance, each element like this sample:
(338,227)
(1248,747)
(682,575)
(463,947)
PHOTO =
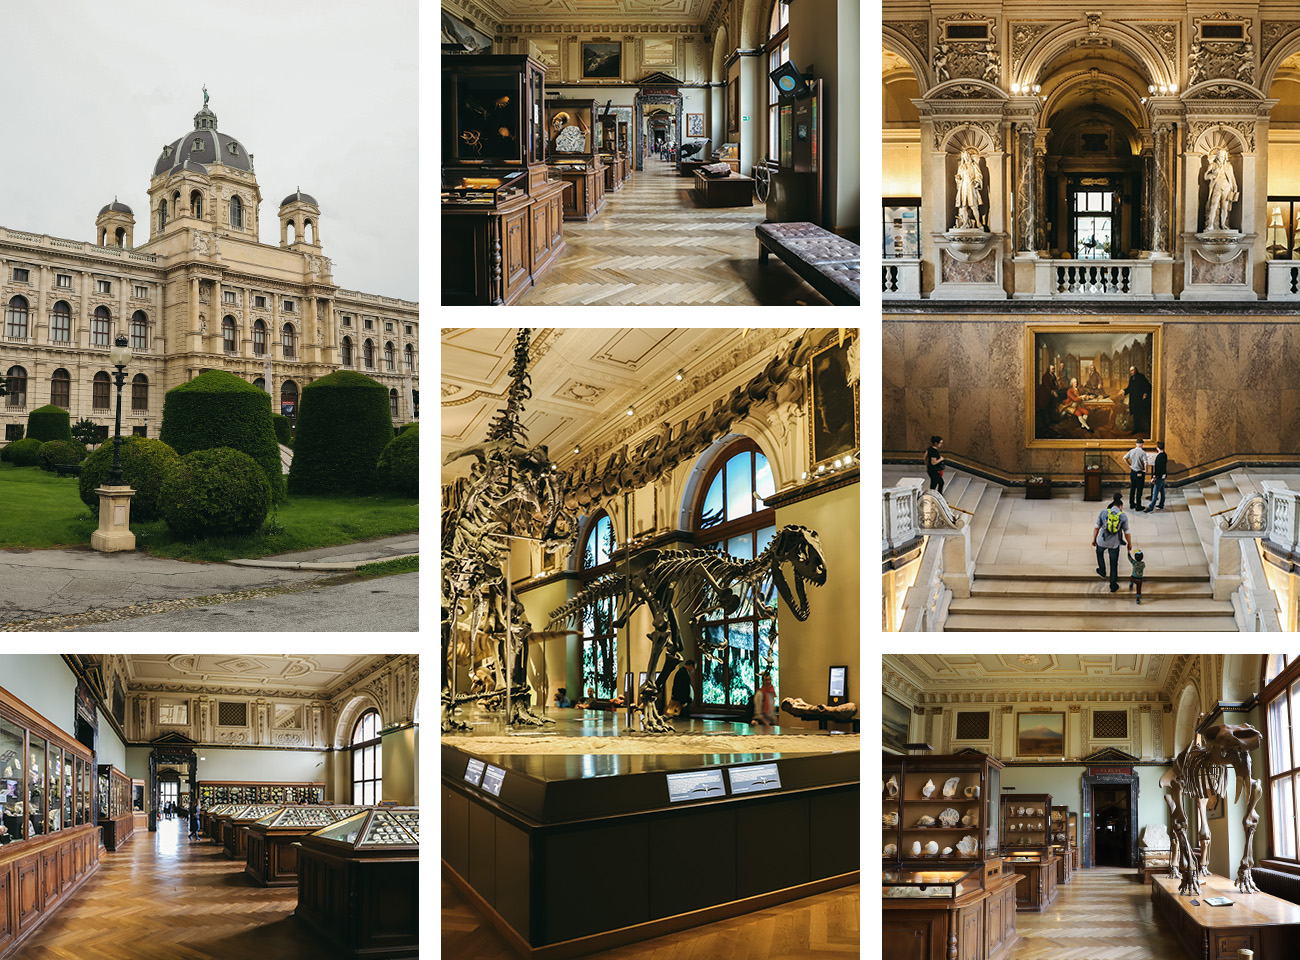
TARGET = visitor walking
(934,464)
(1111,528)
(1139,569)
(1159,473)
(1137,467)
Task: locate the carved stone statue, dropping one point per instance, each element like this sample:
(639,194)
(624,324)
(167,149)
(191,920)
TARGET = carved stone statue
(970,182)
(1223,190)
(992,64)
(1196,64)
(941,63)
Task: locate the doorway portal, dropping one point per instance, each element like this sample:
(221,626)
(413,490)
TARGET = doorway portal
(1110,826)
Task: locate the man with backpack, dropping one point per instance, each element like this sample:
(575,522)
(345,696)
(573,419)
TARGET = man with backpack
(1112,527)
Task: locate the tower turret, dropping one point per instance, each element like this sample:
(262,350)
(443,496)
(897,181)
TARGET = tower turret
(115,226)
(299,220)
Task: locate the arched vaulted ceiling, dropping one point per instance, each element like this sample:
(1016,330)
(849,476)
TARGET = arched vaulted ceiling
(626,11)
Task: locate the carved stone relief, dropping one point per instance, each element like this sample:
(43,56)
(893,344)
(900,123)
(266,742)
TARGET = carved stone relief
(1023,35)
(1164,35)
(1271,33)
(1220,59)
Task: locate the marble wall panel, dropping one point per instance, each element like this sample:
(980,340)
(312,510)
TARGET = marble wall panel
(1261,360)
(893,431)
(893,351)
(925,362)
(968,353)
(1007,372)
(1259,425)
(973,422)
(1215,433)
(929,413)
(1289,421)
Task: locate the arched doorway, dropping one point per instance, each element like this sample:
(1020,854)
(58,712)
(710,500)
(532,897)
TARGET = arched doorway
(648,97)
(174,762)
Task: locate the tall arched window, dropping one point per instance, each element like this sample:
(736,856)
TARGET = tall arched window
(16,379)
(289,394)
(260,383)
(599,638)
(1280,696)
(99,391)
(288,338)
(367,760)
(392,403)
(101,327)
(139,331)
(162,213)
(196,204)
(778,52)
(388,356)
(259,338)
(60,388)
(368,354)
(236,212)
(731,517)
(17,326)
(347,351)
(228,341)
(308,231)
(410,359)
(140,392)
(61,323)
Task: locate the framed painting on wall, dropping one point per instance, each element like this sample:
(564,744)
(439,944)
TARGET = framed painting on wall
(661,52)
(459,37)
(733,105)
(833,429)
(695,124)
(1040,734)
(895,719)
(602,61)
(1090,386)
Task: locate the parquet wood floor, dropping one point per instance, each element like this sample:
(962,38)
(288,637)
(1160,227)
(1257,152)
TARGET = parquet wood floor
(1102,914)
(821,927)
(162,898)
(653,246)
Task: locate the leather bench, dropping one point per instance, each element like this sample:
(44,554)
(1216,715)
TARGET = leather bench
(829,264)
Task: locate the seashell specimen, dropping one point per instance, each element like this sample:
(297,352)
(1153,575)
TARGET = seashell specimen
(890,849)
(966,821)
(925,821)
(927,789)
(950,786)
(974,814)
(931,848)
(891,786)
(1021,811)
(973,791)
(949,817)
(890,819)
(916,848)
(947,851)
(967,846)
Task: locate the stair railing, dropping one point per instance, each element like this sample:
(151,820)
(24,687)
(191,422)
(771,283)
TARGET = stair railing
(947,566)
(1237,572)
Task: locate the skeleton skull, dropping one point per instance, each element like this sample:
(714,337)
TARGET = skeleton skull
(1230,744)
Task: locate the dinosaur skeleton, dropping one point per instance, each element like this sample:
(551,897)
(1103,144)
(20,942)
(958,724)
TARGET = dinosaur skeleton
(1200,772)
(703,581)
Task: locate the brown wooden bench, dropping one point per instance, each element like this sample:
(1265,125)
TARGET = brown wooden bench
(829,264)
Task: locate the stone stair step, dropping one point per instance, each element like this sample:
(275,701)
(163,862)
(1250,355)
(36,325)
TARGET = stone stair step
(1200,515)
(983,519)
(1106,605)
(1041,573)
(1097,587)
(992,536)
(1033,622)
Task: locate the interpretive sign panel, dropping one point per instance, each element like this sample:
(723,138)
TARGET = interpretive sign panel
(695,785)
(754,778)
(492,780)
(474,772)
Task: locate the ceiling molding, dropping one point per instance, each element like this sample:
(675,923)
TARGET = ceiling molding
(1034,678)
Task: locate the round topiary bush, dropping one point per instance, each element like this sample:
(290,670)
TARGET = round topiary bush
(343,427)
(145,464)
(218,409)
(213,493)
(59,451)
(398,470)
(23,453)
(49,423)
(283,430)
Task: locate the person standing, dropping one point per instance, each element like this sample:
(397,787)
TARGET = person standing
(1137,467)
(934,464)
(1159,473)
(1112,528)
(765,702)
(1138,392)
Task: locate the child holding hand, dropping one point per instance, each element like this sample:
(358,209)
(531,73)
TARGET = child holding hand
(1139,568)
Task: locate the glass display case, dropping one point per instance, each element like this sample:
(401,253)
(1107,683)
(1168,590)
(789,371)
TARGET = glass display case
(622,137)
(1026,821)
(491,110)
(386,827)
(928,883)
(940,808)
(116,821)
(571,129)
(902,229)
(1061,844)
(483,186)
(215,793)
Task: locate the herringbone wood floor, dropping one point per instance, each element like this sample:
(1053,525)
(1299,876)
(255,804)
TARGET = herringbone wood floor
(161,898)
(822,927)
(652,245)
(1102,914)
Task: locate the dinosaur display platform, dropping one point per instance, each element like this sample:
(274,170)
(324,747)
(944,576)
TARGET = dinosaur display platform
(1256,921)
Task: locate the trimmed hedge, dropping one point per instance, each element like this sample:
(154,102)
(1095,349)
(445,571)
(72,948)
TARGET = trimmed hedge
(216,492)
(398,469)
(60,451)
(22,453)
(49,423)
(343,427)
(145,464)
(283,430)
(86,431)
(218,409)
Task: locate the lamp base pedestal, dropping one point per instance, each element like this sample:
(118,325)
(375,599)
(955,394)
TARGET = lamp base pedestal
(114,533)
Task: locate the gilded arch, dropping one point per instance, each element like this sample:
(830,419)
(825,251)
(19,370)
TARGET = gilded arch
(899,44)
(1126,39)
(349,715)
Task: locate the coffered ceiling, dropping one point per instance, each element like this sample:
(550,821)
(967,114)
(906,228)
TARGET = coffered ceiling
(247,674)
(1034,673)
(629,11)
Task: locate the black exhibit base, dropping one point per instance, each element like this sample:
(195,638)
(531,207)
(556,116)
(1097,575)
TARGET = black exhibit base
(568,853)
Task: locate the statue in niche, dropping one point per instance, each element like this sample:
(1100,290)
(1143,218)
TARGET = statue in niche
(1223,190)
(969,184)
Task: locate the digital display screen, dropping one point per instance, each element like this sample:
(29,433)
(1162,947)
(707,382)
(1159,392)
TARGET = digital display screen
(754,778)
(697,785)
(839,680)
(492,780)
(474,772)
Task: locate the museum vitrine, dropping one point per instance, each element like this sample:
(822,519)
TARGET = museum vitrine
(1072,832)
(1061,844)
(213,793)
(271,856)
(574,145)
(918,883)
(116,820)
(941,808)
(1027,848)
(234,832)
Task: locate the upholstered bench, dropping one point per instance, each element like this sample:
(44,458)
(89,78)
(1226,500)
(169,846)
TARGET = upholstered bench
(831,265)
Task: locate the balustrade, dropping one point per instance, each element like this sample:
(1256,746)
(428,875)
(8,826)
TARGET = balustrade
(1126,279)
(900,279)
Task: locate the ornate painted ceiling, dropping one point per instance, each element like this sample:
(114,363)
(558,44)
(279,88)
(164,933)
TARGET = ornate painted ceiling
(249,674)
(630,11)
(1033,674)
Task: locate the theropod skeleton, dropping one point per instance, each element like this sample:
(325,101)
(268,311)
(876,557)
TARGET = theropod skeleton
(700,582)
(1200,772)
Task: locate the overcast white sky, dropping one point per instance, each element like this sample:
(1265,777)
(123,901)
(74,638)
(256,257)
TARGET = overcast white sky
(323,93)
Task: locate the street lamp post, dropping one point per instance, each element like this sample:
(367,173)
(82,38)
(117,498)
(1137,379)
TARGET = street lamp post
(120,355)
(114,533)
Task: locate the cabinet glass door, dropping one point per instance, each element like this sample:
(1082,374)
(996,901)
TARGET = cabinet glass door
(11,782)
(36,786)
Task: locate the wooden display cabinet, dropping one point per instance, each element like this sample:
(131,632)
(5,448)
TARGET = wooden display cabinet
(1027,848)
(271,856)
(116,819)
(974,781)
(1073,835)
(1061,844)
(139,804)
(234,836)
(214,793)
(574,155)
(941,913)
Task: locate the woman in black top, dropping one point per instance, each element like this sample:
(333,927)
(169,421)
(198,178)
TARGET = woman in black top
(934,464)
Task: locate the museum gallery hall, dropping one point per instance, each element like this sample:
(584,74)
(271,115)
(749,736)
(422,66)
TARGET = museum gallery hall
(209,806)
(1045,805)
(651,153)
(650,635)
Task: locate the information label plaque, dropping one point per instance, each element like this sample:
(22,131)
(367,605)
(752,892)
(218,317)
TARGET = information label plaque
(474,772)
(696,785)
(492,780)
(754,778)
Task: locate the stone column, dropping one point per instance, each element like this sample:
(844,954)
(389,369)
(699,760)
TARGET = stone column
(1160,189)
(196,339)
(1027,228)
(1041,240)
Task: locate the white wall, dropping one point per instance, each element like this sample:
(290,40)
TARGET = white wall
(45,683)
(260,766)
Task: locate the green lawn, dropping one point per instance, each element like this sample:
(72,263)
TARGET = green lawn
(42,510)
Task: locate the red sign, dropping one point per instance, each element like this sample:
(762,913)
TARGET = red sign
(1110,771)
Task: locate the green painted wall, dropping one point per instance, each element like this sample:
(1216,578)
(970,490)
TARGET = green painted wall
(45,683)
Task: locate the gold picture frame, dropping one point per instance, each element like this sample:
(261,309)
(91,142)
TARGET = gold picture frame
(829,391)
(1098,413)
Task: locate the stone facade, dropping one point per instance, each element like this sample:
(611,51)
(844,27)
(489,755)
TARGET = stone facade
(202,293)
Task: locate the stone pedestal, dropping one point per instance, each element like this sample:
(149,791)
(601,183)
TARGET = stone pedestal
(114,533)
(969,267)
(1219,265)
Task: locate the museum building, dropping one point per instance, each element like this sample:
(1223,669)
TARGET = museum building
(675,513)
(642,152)
(1090,239)
(201,293)
(1047,805)
(261,807)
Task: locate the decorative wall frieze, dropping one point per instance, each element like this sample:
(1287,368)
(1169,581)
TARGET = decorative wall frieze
(599,31)
(916,31)
(895,683)
(1040,696)
(1271,33)
(1163,35)
(1024,34)
(1197,129)
(992,129)
(975,59)
(1220,59)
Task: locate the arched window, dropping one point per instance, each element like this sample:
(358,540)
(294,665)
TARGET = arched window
(289,395)
(236,212)
(259,338)
(730,517)
(291,231)
(599,638)
(1280,696)
(368,354)
(288,338)
(140,392)
(260,383)
(392,402)
(228,341)
(120,236)
(17,326)
(99,391)
(308,231)
(162,213)
(410,359)
(196,204)
(778,52)
(60,388)
(388,356)
(16,379)
(347,351)
(61,323)
(367,760)
(101,328)
(139,331)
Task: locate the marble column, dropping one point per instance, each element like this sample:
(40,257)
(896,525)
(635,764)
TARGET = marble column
(1026,193)
(1041,240)
(1160,188)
